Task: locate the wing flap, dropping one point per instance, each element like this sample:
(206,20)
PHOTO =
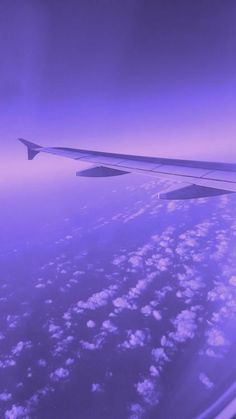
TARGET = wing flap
(190,192)
(101,171)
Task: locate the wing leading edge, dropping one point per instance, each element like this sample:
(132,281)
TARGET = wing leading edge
(194,179)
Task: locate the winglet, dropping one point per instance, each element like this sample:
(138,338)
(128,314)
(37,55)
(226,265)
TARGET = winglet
(33,149)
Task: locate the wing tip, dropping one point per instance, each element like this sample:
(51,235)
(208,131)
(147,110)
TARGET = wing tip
(32,148)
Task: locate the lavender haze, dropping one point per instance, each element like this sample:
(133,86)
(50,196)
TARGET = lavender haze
(115,304)
(148,77)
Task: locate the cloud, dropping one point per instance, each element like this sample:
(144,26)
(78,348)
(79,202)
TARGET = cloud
(157,315)
(136,411)
(159,355)
(215,337)
(136,214)
(185,326)
(205,381)
(147,390)
(136,261)
(119,260)
(40,286)
(62,345)
(232,280)
(69,361)
(137,338)
(17,412)
(123,303)
(20,346)
(109,326)
(13,321)
(42,362)
(154,371)
(89,345)
(97,300)
(5,396)
(49,301)
(91,324)
(55,331)
(59,374)
(146,310)
(96,344)
(128,301)
(96,388)
(8,362)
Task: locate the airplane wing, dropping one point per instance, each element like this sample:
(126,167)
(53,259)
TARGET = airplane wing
(193,179)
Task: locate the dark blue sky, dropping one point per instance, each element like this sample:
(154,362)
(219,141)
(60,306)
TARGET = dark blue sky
(151,77)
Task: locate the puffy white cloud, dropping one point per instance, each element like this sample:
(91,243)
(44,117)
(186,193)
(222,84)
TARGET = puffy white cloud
(89,346)
(42,363)
(39,394)
(91,324)
(96,388)
(136,411)
(205,380)
(137,338)
(7,362)
(220,292)
(122,303)
(109,326)
(232,280)
(136,261)
(146,310)
(159,355)
(13,321)
(16,412)
(67,315)
(62,345)
(59,374)
(166,342)
(128,301)
(69,361)
(55,331)
(5,396)
(161,294)
(63,271)
(97,300)
(185,326)
(40,286)
(215,337)
(119,260)
(157,315)
(147,390)
(96,344)
(20,346)
(154,371)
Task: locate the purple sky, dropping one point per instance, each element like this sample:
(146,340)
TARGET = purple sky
(146,77)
